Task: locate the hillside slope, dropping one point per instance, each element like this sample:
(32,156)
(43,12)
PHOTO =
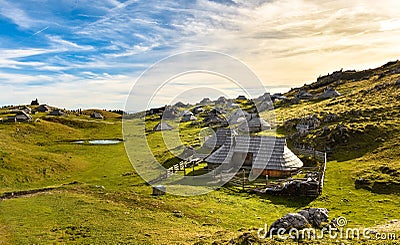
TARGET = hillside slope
(360,126)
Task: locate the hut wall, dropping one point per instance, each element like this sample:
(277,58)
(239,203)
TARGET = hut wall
(272,173)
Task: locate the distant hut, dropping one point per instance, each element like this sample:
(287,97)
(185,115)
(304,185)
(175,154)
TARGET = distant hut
(205,101)
(231,105)
(264,106)
(96,115)
(188,116)
(254,125)
(179,104)
(187,153)
(35,102)
(308,123)
(219,137)
(21,116)
(260,154)
(161,126)
(154,111)
(197,110)
(330,93)
(304,95)
(26,109)
(43,108)
(265,97)
(221,101)
(215,117)
(170,112)
(278,97)
(57,112)
(239,116)
(241,97)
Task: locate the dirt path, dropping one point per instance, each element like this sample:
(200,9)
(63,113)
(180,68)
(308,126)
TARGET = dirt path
(16,194)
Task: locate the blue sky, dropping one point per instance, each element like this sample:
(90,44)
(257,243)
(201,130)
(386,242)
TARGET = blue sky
(85,54)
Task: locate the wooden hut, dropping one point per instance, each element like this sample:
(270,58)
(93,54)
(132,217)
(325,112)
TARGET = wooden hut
(329,93)
(161,126)
(96,115)
(304,95)
(42,108)
(205,101)
(197,110)
(260,154)
(241,97)
(255,124)
(239,116)
(57,112)
(188,116)
(219,137)
(35,102)
(21,116)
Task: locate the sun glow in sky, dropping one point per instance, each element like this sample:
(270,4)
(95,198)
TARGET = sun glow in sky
(83,54)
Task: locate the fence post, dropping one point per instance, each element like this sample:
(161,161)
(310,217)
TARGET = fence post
(244,178)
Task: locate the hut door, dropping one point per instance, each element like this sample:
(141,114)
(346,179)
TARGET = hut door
(248,160)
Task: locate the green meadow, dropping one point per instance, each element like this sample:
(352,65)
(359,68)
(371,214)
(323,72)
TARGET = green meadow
(91,194)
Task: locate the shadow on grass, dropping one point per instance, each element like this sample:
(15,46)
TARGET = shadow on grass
(287,201)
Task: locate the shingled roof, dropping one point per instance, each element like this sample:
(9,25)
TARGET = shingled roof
(255,124)
(220,137)
(162,126)
(269,153)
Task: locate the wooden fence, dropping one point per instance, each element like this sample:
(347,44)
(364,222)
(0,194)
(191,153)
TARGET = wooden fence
(318,155)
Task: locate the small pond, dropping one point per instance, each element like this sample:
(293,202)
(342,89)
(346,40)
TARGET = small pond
(98,142)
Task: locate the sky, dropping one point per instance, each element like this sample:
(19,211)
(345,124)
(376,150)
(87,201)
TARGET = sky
(89,54)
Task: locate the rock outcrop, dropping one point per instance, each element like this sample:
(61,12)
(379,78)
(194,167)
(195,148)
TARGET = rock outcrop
(311,217)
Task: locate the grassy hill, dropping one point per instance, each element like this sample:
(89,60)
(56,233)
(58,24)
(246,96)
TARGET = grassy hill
(81,193)
(361,126)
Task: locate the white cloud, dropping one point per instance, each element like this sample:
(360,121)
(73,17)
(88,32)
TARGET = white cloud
(56,41)
(286,42)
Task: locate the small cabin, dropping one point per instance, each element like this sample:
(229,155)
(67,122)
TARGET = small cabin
(96,115)
(261,154)
(241,97)
(35,102)
(57,112)
(162,126)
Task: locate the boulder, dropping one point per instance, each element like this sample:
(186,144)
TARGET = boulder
(315,216)
(289,221)
(311,217)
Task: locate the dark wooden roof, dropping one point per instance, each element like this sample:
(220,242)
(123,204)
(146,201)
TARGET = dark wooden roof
(162,126)
(220,137)
(268,152)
